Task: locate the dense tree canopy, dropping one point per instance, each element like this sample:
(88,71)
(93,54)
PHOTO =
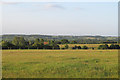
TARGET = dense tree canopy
(21,43)
(64,41)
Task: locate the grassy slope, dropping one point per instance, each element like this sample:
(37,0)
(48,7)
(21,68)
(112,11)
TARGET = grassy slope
(60,63)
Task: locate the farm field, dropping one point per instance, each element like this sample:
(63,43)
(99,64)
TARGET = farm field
(88,45)
(60,63)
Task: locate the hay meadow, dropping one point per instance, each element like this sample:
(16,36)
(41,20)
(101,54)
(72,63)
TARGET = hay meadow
(60,63)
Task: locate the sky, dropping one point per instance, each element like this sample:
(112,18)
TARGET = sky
(60,18)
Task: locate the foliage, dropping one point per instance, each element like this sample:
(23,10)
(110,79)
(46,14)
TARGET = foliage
(7,45)
(64,41)
(66,46)
(76,47)
(113,46)
(78,39)
(103,46)
(74,42)
(84,47)
(21,43)
(79,47)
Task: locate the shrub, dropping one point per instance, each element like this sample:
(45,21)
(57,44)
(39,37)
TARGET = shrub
(84,47)
(103,47)
(73,48)
(112,46)
(47,46)
(62,48)
(79,47)
(66,46)
(76,47)
(55,46)
(93,48)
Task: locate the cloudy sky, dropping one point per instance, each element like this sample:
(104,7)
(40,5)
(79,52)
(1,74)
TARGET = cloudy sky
(60,18)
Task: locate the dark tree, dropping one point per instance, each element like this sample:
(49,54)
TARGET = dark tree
(37,40)
(64,41)
(103,46)
(66,46)
(79,47)
(55,46)
(7,45)
(112,46)
(73,42)
(75,47)
(41,40)
(84,47)
(47,46)
(19,42)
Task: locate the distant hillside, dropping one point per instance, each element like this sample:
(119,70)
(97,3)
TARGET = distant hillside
(33,37)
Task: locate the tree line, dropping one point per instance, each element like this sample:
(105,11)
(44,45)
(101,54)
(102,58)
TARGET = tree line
(21,43)
(106,46)
(71,39)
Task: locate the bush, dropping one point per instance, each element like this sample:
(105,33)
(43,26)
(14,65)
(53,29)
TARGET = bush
(63,48)
(84,47)
(47,46)
(73,48)
(93,48)
(103,47)
(112,46)
(76,47)
(79,47)
(66,46)
(55,46)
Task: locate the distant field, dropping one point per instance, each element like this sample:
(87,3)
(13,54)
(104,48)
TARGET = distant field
(88,45)
(60,63)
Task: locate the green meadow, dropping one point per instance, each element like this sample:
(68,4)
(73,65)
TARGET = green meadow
(60,63)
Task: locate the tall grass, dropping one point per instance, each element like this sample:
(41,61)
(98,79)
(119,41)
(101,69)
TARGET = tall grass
(60,63)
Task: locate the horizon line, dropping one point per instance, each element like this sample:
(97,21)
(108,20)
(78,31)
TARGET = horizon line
(60,34)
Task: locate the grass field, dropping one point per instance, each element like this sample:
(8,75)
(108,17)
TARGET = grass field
(60,63)
(88,45)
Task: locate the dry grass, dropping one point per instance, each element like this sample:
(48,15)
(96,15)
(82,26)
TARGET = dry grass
(88,45)
(60,63)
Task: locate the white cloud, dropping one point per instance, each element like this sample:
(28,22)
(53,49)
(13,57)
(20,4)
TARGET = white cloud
(9,3)
(53,6)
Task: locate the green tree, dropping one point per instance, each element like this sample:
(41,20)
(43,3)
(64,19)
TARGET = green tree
(37,40)
(84,47)
(112,46)
(47,46)
(19,42)
(73,42)
(79,47)
(64,41)
(103,46)
(37,44)
(66,46)
(55,46)
(30,43)
(41,40)
(6,45)
(75,47)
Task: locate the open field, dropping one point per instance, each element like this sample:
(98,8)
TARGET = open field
(88,45)
(60,63)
